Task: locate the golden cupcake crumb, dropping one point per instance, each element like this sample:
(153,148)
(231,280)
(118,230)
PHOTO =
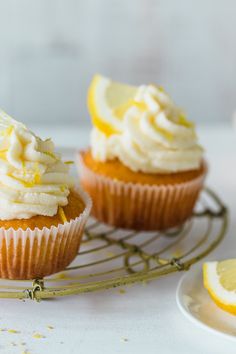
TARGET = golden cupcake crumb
(50,327)
(38,336)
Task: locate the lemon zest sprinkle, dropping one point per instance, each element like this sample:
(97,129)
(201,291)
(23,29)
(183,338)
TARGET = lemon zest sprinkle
(7,131)
(63,188)
(186,123)
(37,175)
(69,162)
(3,154)
(62,214)
(61,276)
(51,154)
(38,336)
(24,168)
(13,331)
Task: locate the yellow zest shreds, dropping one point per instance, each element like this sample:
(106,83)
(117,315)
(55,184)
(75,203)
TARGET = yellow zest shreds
(24,168)
(3,154)
(38,336)
(69,162)
(63,188)
(51,154)
(7,131)
(62,214)
(184,122)
(122,291)
(13,331)
(61,276)
(25,184)
(37,174)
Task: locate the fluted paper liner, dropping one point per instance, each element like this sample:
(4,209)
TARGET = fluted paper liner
(138,206)
(30,254)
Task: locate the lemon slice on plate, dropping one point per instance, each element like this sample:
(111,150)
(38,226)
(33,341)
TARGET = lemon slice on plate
(107,102)
(220,280)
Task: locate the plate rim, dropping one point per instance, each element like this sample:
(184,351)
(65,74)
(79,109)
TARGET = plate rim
(188,314)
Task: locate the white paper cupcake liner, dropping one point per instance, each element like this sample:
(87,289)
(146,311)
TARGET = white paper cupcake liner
(30,254)
(138,206)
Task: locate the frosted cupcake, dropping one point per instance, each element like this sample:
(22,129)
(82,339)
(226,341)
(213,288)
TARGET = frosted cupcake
(144,169)
(42,213)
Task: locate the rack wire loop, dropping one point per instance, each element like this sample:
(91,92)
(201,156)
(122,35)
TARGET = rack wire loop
(37,286)
(179,265)
(111,257)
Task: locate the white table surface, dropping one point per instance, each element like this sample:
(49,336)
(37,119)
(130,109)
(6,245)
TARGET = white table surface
(145,319)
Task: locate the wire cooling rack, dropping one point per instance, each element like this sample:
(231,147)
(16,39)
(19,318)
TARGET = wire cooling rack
(112,257)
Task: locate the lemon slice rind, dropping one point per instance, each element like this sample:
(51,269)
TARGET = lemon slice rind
(225,299)
(107,102)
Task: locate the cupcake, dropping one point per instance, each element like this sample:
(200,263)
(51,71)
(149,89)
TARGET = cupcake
(42,212)
(144,169)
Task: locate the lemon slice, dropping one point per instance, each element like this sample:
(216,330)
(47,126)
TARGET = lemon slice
(220,281)
(107,102)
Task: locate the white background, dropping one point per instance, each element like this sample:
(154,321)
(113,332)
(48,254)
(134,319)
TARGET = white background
(50,49)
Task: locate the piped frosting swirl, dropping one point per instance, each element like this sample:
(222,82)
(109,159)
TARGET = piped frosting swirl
(33,178)
(155,137)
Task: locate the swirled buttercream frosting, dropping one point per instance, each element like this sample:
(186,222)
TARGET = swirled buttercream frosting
(155,136)
(33,178)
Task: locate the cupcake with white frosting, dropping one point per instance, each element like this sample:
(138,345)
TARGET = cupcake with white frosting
(145,168)
(42,213)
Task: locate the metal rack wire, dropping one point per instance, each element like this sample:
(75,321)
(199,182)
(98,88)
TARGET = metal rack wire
(111,257)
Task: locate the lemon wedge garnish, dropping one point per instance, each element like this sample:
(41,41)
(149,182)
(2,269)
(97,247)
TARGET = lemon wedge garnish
(220,281)
(107,102)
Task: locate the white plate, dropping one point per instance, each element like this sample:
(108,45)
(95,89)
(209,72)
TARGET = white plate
(195,303)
